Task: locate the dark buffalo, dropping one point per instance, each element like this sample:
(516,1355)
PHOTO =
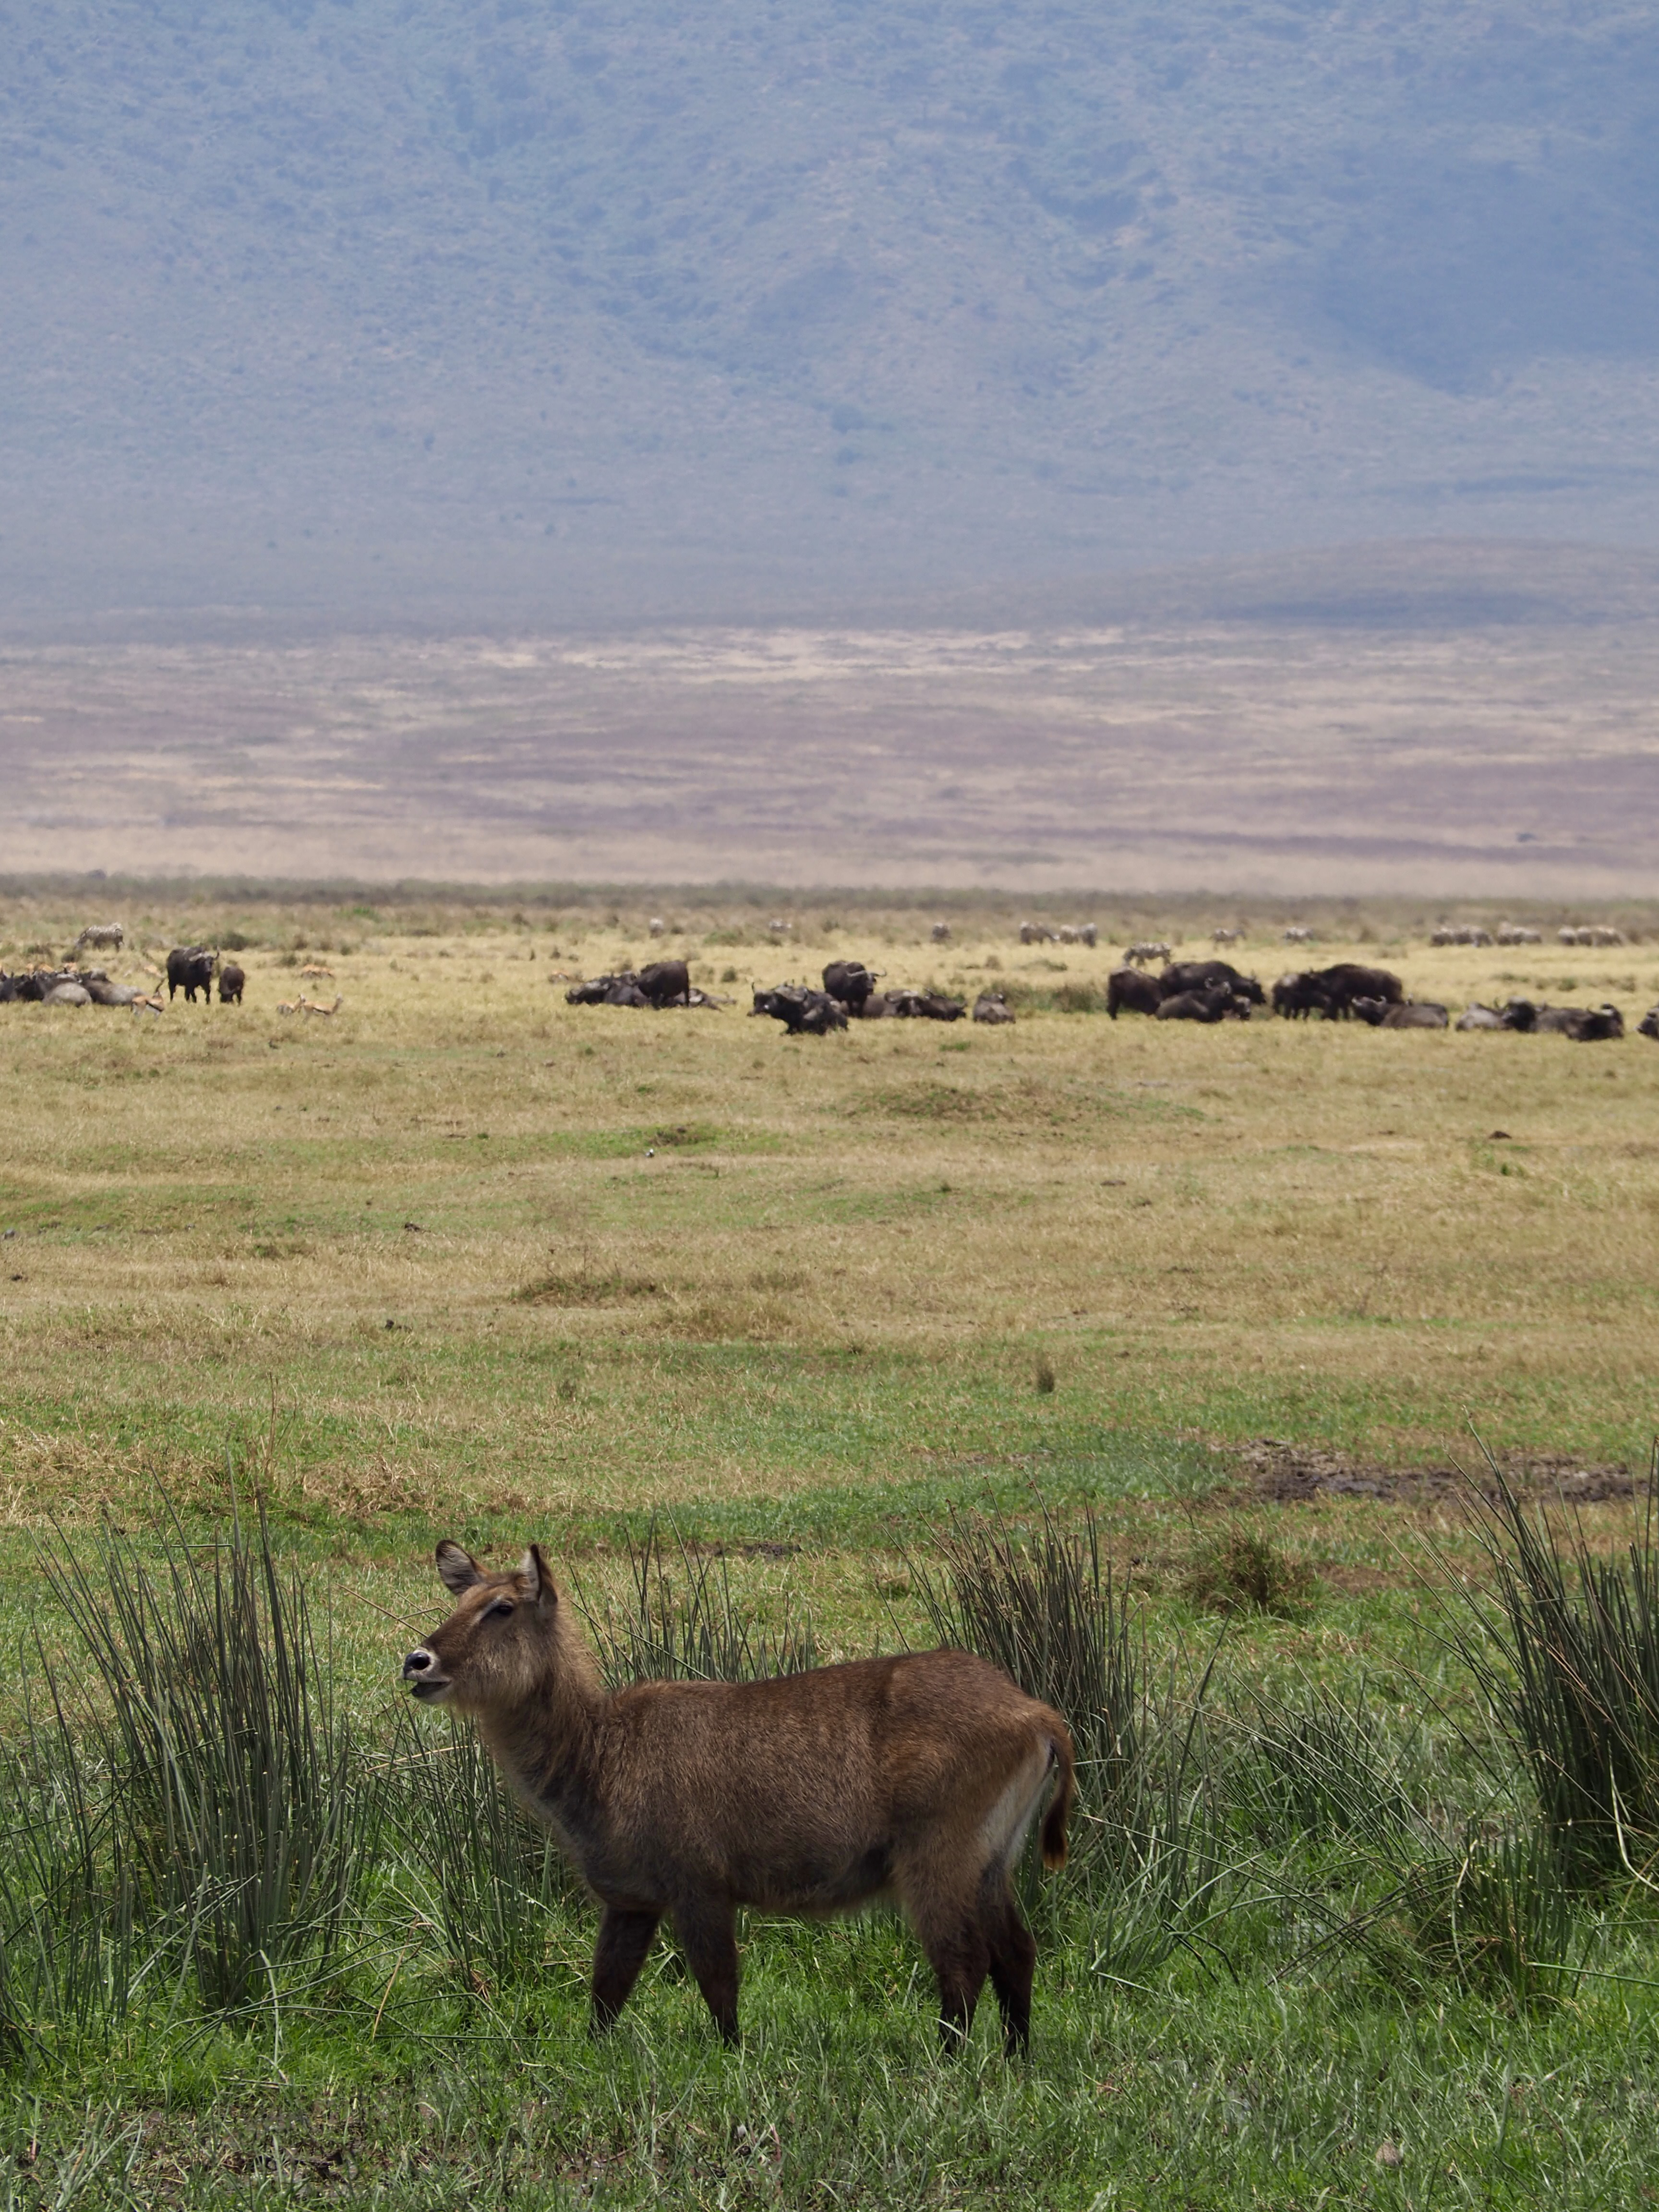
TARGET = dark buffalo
(1648,1024)
(992,1007)
(1347,980)
(189,969)
(1300,995)
(231,980)
(1217,1003)
(666,983)
(11,987)
(1204,975)
(1412,1014)
(803,1011)
(1132,987)
(1597,1025)
(851,982)
(923,1006)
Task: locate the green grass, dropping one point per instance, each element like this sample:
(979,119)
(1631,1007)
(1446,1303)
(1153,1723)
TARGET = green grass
(859,1294)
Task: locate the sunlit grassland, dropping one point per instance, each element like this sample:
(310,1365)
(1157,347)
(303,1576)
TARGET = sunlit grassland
(462,1259)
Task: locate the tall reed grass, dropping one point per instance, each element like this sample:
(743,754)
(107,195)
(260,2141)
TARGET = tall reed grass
(1565,1647)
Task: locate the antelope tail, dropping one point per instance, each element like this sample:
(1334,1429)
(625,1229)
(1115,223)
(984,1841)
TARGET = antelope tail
(1059,1806)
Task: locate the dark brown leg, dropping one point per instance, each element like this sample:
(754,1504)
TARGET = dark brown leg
(709,1941)
(1014,1960)
(624,1941)
(960,1961)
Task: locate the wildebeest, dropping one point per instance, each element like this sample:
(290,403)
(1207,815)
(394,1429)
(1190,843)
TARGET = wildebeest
(803,1011)
(231,981)
(189,969)
(1648,1024)
(1410,1014)
(992,1007)
(913,1779)
(1133,990)
(850,981)
(101,936)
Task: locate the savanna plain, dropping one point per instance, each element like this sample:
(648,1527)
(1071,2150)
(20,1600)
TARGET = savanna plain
(1144,1356)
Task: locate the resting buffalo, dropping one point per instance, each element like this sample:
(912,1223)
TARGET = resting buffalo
(1347,980)
(1584,1024)
(1412,1014)
(1134,988)
(231,980)
(851,982)
(1648,1024)
(803,1011)
(1513,1014)
(992,1007)
(189,969)
(11,987)
(1204,975)
(1217,1003)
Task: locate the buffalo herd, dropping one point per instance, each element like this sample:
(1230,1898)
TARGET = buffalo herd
(190,968)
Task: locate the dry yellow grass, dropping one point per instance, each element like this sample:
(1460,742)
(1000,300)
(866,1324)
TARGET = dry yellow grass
(482,1245)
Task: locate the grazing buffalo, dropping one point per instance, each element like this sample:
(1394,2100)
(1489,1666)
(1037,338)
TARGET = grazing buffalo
(851,982)
(992,1007)
(1204,975)
(231,980)
(1648,1024)
(803,1011)
(1132,987)
(1412,1014)
(1299,994)
(189,969)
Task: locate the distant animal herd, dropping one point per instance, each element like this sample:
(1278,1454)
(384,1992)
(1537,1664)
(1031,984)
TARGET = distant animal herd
(1206,991)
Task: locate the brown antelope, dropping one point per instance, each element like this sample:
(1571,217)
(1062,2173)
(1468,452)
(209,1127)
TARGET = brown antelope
(912,1780)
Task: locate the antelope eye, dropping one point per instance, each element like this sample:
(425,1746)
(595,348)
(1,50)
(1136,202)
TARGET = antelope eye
(500,1611)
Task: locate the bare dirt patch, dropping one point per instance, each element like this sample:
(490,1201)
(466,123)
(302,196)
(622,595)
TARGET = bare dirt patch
(1290,1475)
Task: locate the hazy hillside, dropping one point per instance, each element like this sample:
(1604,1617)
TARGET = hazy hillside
(419,304)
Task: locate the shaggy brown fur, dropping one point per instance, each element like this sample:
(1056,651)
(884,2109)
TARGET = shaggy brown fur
(912,1779)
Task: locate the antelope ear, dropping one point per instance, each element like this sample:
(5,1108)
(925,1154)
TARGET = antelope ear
(456,1570)
(535,1575)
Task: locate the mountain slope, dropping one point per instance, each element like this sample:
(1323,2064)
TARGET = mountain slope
(408,304)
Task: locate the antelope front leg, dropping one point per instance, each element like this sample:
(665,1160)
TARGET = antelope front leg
(624,1941)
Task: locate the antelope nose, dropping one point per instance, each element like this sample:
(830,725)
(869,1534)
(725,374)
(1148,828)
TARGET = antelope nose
(416,1665)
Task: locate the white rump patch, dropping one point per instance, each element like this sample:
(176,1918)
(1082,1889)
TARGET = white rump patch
(1002,1832)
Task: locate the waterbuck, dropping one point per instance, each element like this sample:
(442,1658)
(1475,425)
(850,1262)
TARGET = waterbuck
(912,1779)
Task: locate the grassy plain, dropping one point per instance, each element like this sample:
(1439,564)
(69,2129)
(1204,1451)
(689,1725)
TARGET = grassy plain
(461,1259)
